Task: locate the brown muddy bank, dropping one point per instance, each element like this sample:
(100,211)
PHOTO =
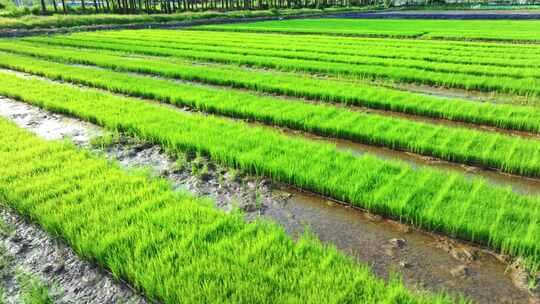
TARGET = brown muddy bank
(425,261)
(519,184)
(70,279)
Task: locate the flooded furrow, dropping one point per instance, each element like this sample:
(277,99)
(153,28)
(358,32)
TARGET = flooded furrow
(470,95)
(519,184)
(424,260)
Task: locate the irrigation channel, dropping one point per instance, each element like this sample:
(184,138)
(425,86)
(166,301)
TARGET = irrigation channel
(424,260)
(470,95)
(519,184)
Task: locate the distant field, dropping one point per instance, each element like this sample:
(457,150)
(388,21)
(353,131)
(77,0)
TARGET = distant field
(441,29)
(266,98)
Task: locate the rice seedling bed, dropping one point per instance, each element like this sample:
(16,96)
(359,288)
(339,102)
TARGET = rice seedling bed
(347,228)
(281,91)
(169,245)
(294,85)
(164,48)
(431,199)
(498,62)
(499,83)
(378,48)
(498,30)
(509,154)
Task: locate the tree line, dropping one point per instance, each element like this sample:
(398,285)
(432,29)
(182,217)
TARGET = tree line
(174,6)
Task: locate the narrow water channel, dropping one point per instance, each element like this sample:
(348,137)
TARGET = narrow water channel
(519,184)
(422,259)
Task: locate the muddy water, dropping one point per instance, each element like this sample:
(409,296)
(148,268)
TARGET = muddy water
(519,184)
(471,95)
(46,125)
(424,260)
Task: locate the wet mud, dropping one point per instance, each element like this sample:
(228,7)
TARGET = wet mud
(47,125)
(424,260)
(470,95)
(70,279)
(519,184)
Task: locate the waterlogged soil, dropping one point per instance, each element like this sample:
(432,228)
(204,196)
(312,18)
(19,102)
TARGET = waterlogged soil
(470,95)
(519,184)
(70,280)
(424,260)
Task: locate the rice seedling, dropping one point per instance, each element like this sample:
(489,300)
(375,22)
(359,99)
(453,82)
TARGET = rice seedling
(171,246)
(501,30)
(295,85)
(506,153)
(450,203)
(449,77)
(503,55)
(311,54)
